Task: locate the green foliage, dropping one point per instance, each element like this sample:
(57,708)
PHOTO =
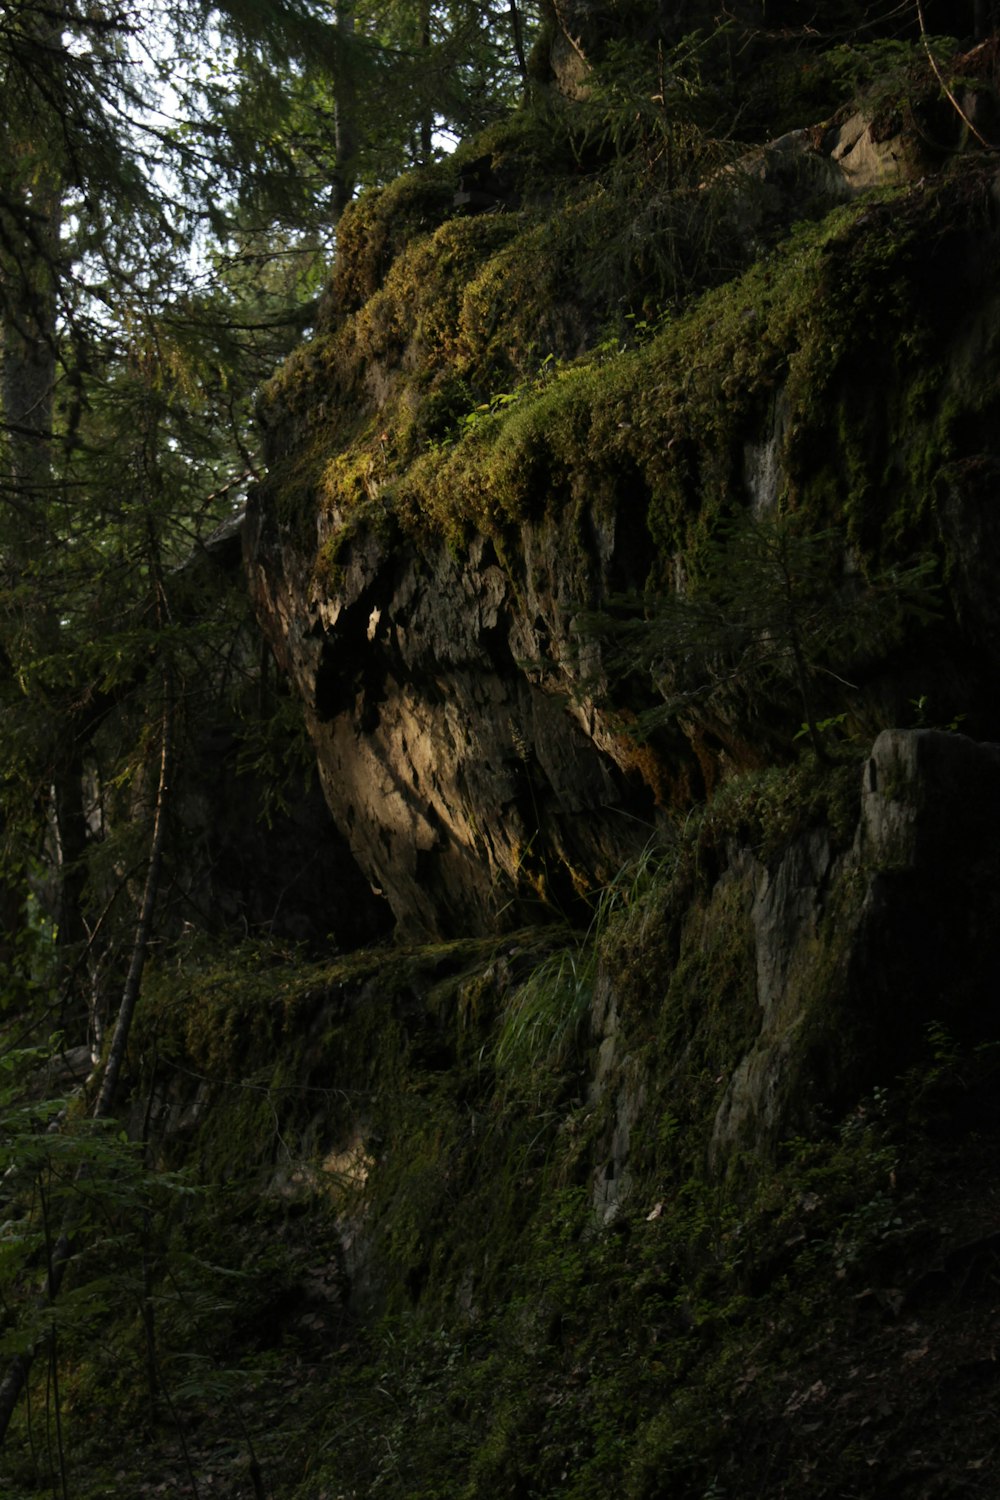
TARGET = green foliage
(770,604)
(429,1123)
(79,1208)
(546,1021)
(545,1016)
(767,809)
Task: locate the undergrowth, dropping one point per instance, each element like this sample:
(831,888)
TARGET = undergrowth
(395,1267)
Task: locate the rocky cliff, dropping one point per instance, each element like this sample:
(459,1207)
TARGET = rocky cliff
(666,1188)
(480,453)
(700,1202)
(630,548)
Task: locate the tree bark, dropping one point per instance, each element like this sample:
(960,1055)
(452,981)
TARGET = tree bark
(517,36)
(345,111)
(427,119)
(29,246)
(140,948)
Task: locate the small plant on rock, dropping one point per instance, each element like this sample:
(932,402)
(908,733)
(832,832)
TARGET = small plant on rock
(774,605)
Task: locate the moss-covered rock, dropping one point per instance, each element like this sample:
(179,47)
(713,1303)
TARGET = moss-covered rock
(844,385)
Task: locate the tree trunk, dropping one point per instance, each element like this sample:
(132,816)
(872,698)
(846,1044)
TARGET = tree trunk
(20,1366)
(29,245)
(345,111)
(144,929)
(517,36)
(427,119)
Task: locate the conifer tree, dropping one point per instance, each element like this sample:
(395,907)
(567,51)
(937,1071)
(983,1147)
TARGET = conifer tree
(170,182)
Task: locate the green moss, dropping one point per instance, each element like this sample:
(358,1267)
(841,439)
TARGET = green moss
(502,1339)
(375,227)
(838,320)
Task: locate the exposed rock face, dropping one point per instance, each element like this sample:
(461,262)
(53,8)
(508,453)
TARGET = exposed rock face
(852,954)
(901,932)
(787,907)
(472,794)
(428,542)
(810,170)
(806,169)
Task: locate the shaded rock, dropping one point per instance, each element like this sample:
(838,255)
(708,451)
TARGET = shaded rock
(484,188)
(850,955)
(867,156)
(425,556)
(856,955)
(279,870)
(929,943)
(787,909)
(68,1068)
(806,172)
(472,793)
